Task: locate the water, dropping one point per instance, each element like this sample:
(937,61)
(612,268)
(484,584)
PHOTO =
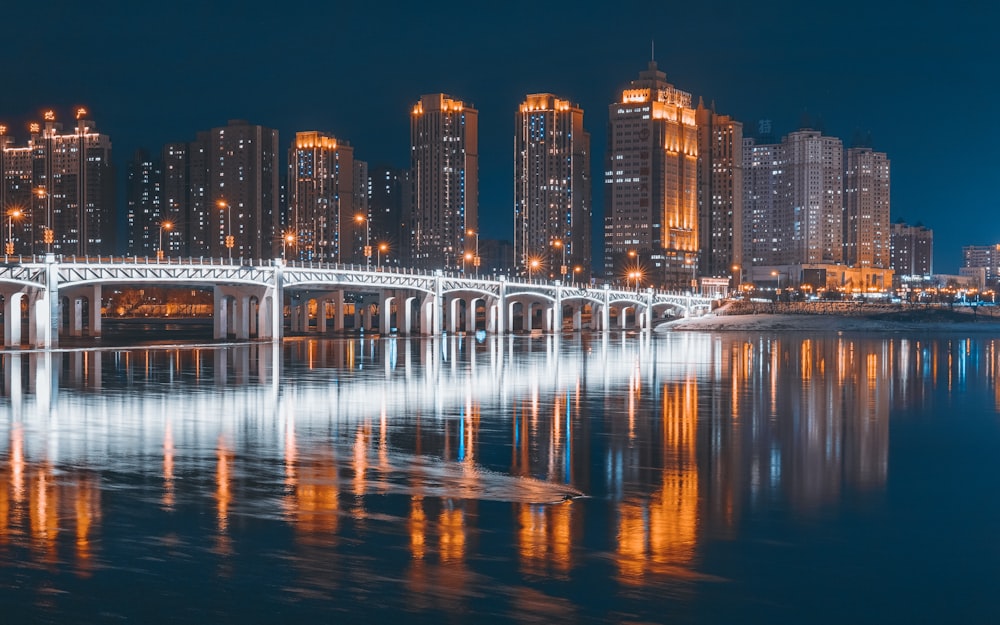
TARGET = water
(686,478)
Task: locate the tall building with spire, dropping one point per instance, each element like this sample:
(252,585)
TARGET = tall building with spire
(61,186)
(720,193)
(650,183)
(552,203)
(867,231)
(444,163)
(321,202)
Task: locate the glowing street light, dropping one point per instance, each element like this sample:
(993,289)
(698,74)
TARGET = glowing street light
(164,225)
(288,239)
(563,269)
(12,214)
(383,248)
(533,264)
(229,238)
(361,219)
(475,259)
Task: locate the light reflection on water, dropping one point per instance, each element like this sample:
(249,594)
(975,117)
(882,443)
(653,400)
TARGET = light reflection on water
(548,478)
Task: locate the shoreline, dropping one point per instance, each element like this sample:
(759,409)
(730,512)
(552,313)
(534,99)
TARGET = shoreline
(933,321)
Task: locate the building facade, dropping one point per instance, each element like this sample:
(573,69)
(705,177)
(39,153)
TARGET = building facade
(912,251)
(552,190)
(650,184)
(321,204)
(59,189)
(867,230)
(720,194)
(444,165)
(144,216)
(388,202)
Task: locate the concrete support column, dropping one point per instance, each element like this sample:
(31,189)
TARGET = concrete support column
(578,317)
(470,315)
(294,313)
(95,310)
(406,316)
(503,323)
(550,318)
(12,319)
(492,316)
(321,304)
(265,311)
(606,310)
(454,303)
(528,314)
(220,314)
(623,317)
(385,313)
(366,316)
(241,317)
(75,315)
(649,310)
(427,307)
(338,311)
(438,303)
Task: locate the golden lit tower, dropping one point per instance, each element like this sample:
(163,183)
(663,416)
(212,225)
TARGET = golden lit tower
(650,181)
(868,233)
(552,207)
(321,198)
(444,160)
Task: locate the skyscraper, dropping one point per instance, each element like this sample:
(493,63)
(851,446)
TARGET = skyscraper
(650,182)
(62,183)
(143,206)
(243,189)
(552,204)
(793,200)
(867,230)
(388,201)
(720,193)
(321,200)
(444,161)
(186,198)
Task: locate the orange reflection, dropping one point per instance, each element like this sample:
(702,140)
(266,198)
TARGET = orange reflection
(545,536)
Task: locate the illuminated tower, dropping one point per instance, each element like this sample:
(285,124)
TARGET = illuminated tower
(552,207)
(720,193)
(650,182)
(62,183)
(321,197)
(866,209)
(444,161)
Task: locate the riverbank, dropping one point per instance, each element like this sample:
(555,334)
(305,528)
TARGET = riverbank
(857,319)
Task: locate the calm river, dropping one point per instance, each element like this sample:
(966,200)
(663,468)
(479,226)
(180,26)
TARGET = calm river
(683,478)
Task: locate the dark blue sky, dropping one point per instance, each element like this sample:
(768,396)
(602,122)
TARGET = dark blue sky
(919,77)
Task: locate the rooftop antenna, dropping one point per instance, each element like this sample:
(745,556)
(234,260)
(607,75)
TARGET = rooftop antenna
(652,50)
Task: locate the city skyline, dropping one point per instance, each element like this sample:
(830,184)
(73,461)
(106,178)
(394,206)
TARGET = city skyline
(145,89)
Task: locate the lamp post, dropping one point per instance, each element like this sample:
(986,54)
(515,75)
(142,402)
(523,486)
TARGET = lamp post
(382,247)
(368,248)
(467,257)
(12,214)
(286,240)
(533,264)
(164,225)
(576,274)
(230,240)
(48,236)
(475,259)
(563,269)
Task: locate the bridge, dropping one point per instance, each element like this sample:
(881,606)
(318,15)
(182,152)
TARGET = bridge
(64,295)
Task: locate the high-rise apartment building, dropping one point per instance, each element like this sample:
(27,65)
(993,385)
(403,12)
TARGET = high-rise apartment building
(186,202)
(61,187)
(388,203)
(793,200)
(720,193)
(912,250)
(243,190)
(321,202)
(146,227)
(985,258)
(867,229)
(444,164)
(650,182)
(552,191)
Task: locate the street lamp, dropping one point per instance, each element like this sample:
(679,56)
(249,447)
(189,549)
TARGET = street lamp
(382,248)
(229,238)
(576,274)
(12,214)
(48,236)
(475,259)
(286,240)
(468,257)
(533,264)
(563,269)
(637,276)
(164,225)
(368,248)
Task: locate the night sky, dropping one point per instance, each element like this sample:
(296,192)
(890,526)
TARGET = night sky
(920,78)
